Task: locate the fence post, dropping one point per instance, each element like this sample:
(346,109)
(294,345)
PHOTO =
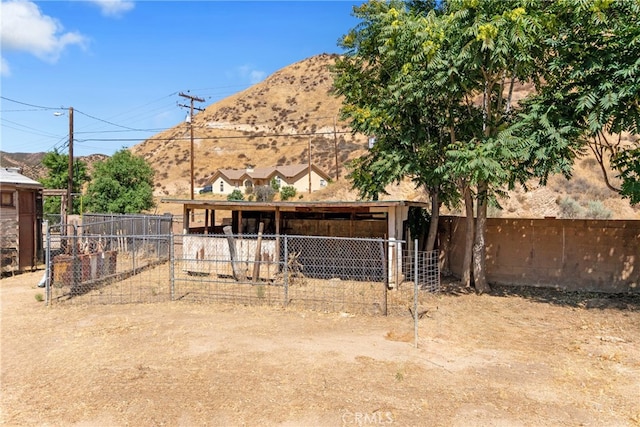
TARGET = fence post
(255,276)
(385,280)
(47,264)
(285,273)
(133,252)
(75,265)
(415,293)
(172,260)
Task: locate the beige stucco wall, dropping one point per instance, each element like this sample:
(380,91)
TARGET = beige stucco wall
(227,188)
(301,182)
(590,255)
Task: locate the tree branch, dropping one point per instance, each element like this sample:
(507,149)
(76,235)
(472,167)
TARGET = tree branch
(598,148)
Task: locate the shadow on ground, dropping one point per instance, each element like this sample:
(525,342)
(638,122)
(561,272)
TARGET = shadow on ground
(587,300)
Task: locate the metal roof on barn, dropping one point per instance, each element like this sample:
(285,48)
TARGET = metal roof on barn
(291,206)
(13,176)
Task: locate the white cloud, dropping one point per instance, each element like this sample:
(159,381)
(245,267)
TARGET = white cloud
(254,76)
(115,8)
(25,28)
(4,68)
(257,76)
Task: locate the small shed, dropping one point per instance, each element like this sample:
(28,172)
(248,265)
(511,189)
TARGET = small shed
(20,221)
(356,219)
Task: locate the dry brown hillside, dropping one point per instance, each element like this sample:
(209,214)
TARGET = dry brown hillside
(271,123)
(275,122)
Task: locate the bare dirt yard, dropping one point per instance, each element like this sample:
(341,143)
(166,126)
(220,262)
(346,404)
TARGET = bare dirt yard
(529,358)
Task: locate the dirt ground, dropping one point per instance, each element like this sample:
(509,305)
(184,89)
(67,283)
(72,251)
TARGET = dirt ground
(509,359)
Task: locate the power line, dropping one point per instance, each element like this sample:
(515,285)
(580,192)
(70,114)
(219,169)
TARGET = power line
(30,105)
(108,122)
(282,135)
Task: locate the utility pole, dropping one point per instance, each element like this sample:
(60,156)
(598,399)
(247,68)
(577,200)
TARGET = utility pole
(70,177)
(191,108)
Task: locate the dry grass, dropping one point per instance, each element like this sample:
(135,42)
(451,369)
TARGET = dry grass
(503,359)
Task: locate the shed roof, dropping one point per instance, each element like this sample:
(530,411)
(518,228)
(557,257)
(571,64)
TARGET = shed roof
(13,176)
(291,206)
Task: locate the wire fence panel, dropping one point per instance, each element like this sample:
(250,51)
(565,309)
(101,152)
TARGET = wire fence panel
(107,269)
(232,269)
(364,276)
(423,268)
(337,274)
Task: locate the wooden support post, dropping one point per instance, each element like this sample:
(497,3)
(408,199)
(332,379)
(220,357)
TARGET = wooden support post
(238,274)
(258,257)
(385,281)
(277,235)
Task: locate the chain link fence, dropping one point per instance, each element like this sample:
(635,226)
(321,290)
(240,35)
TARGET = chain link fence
(364,276)
(126,224)
(103,268)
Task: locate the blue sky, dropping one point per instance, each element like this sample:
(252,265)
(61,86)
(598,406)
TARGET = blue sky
(121,64)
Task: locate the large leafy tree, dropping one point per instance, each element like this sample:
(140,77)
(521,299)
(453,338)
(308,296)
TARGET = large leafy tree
(122,183)
(57,165)
(452,74)
(591,87)
(386,96)
(437,87)
(491,45)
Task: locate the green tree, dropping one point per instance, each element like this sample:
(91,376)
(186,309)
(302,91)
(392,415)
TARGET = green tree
(275,184)
(435,89)
(489,47)
(287,192)
(122,183)
(627,162)
(57,165)
(590,91)
(435,84)
(384,85)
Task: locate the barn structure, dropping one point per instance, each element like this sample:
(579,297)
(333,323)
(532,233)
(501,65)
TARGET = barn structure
(20,221)
(386,220)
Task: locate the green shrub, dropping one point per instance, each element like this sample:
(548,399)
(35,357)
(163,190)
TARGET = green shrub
(264,193)
(287,192)
(569,208)
(235,196)
(596,210)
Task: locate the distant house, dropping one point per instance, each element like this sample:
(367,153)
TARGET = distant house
(224,181)
(20,221)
